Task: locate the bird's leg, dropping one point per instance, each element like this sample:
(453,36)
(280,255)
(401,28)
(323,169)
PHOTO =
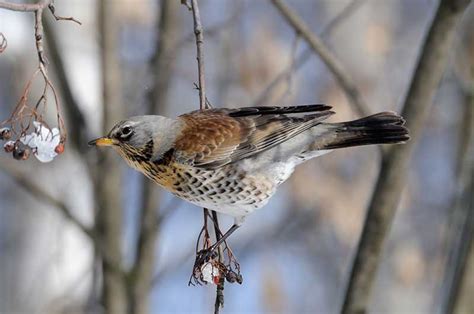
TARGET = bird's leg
(205,254)
(204,234)
(238,221)
(224,237)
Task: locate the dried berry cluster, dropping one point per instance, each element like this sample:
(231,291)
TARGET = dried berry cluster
(19,150)
(43,143)
(26,129)
(209,269)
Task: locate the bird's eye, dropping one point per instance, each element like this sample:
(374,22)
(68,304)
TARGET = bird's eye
(126,132)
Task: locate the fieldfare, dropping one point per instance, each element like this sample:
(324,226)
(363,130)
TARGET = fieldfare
(233,160)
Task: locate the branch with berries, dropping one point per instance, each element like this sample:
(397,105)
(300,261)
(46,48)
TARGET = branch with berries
(221,265)
(26,130)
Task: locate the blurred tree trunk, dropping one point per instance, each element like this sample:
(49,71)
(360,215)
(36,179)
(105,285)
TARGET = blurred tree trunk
(463,301)
(108,176)
(161,64)
(391,181)
(461,287)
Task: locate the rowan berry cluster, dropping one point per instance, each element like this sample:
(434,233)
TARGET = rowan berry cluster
(44,143)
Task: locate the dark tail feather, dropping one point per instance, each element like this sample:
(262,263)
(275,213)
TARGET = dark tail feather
(380,128)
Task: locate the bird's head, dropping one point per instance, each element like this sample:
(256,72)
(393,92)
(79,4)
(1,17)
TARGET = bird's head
(141,138)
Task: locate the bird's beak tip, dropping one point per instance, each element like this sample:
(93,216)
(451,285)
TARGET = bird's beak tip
(102,141)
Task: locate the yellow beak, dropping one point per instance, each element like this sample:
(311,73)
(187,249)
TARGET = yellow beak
(102,141)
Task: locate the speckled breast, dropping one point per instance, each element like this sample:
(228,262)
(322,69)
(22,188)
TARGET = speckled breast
(227,189)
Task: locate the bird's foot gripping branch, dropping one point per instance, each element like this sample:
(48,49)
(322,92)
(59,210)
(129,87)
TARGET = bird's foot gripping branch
(212,267)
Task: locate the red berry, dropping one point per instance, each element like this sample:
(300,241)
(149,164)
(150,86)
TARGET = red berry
(216,279)
(59,149)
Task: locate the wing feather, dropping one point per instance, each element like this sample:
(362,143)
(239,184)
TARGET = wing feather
(216,137)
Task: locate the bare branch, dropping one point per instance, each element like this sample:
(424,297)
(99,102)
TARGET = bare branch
(203,104)
(52,9)
(333,64)
(198,31)
(25,7)
(35,7)
(390,183)
(219,303)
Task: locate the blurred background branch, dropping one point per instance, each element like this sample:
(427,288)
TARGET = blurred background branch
(461,228)
(109,212)
(302,59)
(391,181)
(317,45)
(41,194)
(162,66)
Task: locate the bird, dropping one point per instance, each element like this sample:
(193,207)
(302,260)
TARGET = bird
(233,160)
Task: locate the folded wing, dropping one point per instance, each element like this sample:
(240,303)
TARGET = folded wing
(216,137)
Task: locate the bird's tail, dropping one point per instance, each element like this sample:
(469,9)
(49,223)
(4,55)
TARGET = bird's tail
(381,128)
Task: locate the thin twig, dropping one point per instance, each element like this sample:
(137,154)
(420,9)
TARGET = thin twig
(219,303)
(426,78)
(331,61)
(198,31)
(52,9)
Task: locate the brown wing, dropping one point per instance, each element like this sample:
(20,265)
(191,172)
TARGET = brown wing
(213,138)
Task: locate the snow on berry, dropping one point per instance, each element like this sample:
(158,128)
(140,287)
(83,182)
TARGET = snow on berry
(43,142)
(210,273)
